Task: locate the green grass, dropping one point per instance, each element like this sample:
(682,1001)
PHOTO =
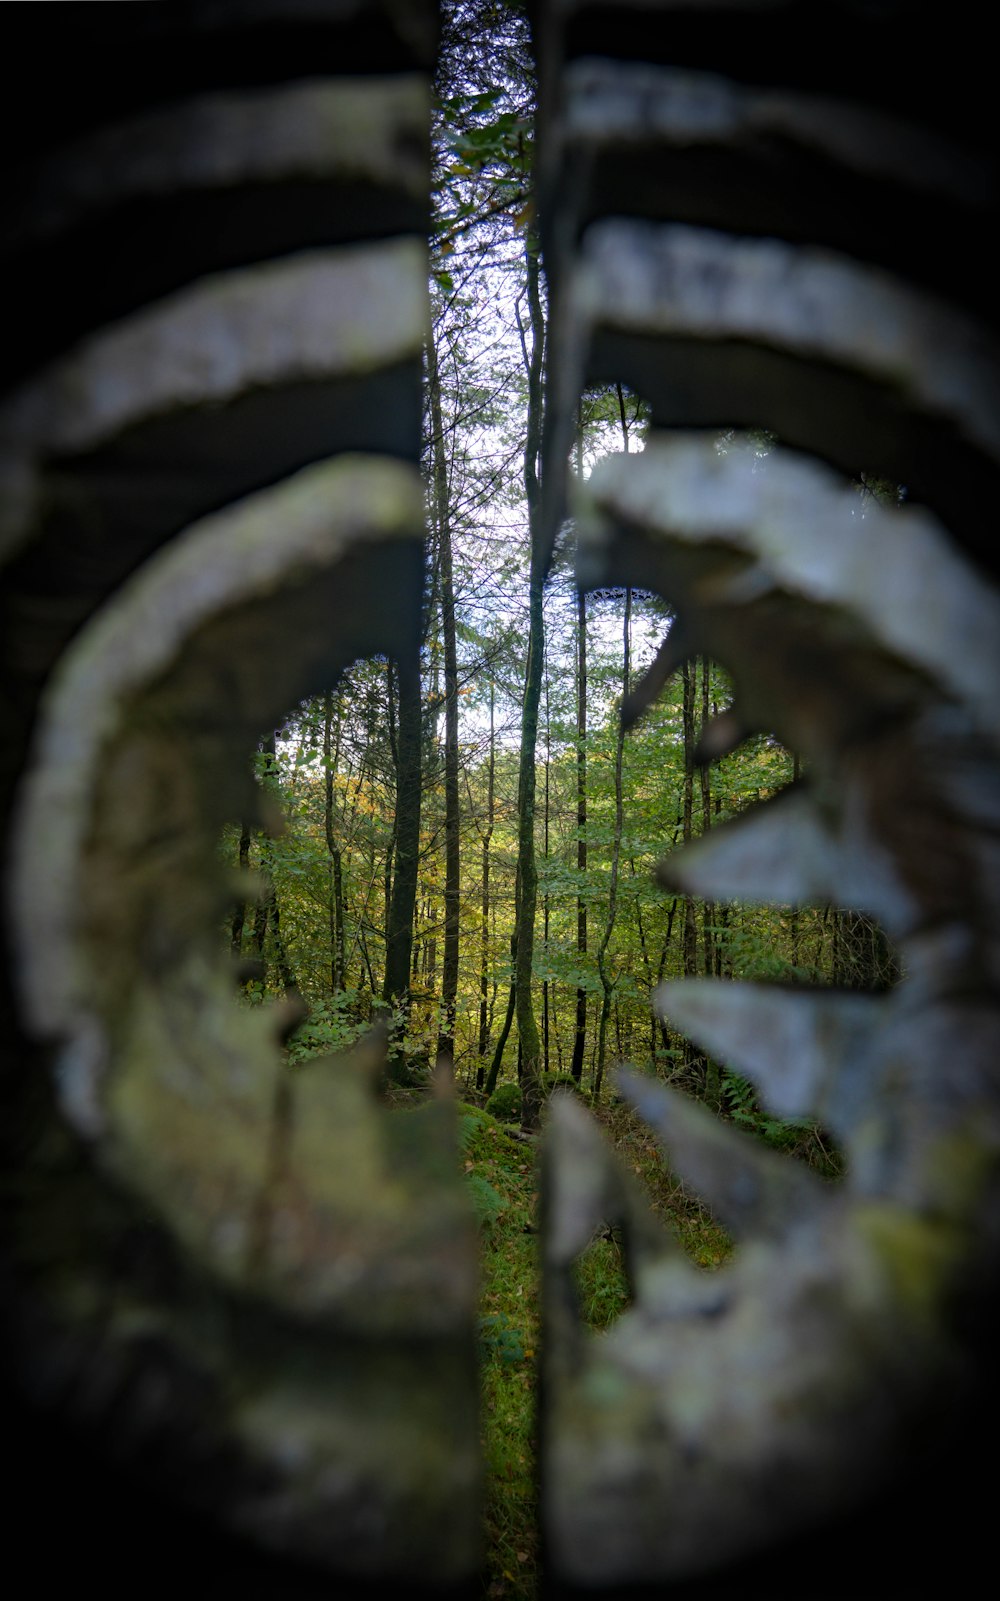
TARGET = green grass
(500,1169)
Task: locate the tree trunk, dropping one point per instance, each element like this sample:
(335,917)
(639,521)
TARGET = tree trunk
(580,1037)
(336,892)
(484,1020)
(705,775)
(399,931)
(452,837)
(545,897)
(607,982)
(527,873)
(494,1073)
(269,913)
(693,1058)
(390,693)
(239,916)
(713,1084)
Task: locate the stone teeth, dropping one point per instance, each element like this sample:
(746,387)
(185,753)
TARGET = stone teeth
(720,736)
(696,283)
(813,535)
(588,1186)
(785,851)
(345,311)
(675,649)
(753,1191)
(808,1053)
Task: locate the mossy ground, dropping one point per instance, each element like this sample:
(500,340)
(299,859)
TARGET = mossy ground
(502,1172)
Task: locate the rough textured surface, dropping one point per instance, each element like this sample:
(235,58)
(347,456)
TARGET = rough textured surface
(246,1291)
(253,1293)
(777,1411)
(348,131)
(844,1350)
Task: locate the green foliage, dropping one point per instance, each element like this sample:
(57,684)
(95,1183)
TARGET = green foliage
(332,1025)
(499,1340)
(508,1326)
(795,1136)
(559,1081)
(508,1340)
(505,1103)
(488,1203)
(753,954)
(600,1281)
(741,1104)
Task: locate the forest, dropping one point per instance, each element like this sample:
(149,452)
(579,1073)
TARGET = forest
(473,859)
(499,645)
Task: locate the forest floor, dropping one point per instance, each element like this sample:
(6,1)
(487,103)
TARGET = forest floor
(501,1171)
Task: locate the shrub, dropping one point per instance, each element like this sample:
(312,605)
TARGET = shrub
(559,1081)
(505,1103)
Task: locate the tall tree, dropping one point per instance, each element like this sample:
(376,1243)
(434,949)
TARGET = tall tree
(527,869)
(239,915)
(335,894)
(487,836)
(603,966)
(399,932)
(452,822)
(580,1036)
(273,910)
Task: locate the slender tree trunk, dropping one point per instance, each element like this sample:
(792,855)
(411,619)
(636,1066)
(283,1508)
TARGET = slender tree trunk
(336,893)
(484,955)
(260,939)
(705,775)
(693,1058)
(399,930)
(452,836)
(272,911)
(494,1072)
(545,897)
(390,694)
(580,1037)
(647,965)
(527,875)
(239,916)
(713,1084)
(607,982)
(796,774)
(690,944)
(285,969)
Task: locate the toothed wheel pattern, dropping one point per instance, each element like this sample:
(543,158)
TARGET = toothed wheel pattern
(250,1294)
(741,250)
(797,1380)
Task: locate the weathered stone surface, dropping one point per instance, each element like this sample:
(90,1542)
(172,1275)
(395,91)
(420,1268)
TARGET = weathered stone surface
(616,107)
(639,139)
(339,311)
(791,851)
(810,1056)
(889,568)
(710,269)
(370,130)
(795,1347)
(347,1229)
(135,769)
(696,283)
(188,1265)
(754,1192)
(719,1411)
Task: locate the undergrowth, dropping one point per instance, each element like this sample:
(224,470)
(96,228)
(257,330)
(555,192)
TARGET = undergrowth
(501,1173)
